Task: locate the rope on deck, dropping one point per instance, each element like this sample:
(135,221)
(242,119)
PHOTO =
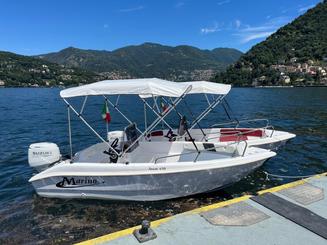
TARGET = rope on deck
(287,176)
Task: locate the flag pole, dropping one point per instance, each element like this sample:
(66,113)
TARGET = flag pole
(107,123)
(70,134)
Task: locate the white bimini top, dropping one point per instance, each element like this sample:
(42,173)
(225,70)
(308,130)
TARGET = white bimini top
(204,87)
(144,87)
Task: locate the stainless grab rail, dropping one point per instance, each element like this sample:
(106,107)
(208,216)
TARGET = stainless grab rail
(239,133)
(175,155)
(207,149)
(237,123)
(272,129)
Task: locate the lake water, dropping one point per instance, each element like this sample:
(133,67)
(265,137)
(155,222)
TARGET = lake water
(34,115)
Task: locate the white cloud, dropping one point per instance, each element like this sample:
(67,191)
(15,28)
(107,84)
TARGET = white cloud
(223,2)
(237,23)
(212,29)
(253,36)
(303,9)
(131,9)
(179,4)
(249,33)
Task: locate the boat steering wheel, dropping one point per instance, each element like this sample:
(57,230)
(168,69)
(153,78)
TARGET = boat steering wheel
(170,135)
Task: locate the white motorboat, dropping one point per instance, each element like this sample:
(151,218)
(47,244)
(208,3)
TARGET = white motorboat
(264,136)
(132,164)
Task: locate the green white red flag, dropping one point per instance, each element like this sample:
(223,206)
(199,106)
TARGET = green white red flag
(164,107)
(105,113)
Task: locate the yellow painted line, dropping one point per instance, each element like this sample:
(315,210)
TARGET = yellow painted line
(118,234)
(282,187)
(218,205)
(156,223)
(290,185)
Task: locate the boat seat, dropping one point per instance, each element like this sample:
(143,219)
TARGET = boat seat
(228,138)
(156,133)
(222,148)
(244,131)
(131,136)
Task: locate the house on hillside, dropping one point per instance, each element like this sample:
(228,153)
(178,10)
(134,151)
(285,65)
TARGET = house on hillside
(293,60)
(285,79)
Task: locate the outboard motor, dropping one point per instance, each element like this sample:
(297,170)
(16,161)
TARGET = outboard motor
(43,154)
(115,139)
(182,126)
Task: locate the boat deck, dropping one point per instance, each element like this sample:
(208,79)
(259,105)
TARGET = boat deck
(294,213)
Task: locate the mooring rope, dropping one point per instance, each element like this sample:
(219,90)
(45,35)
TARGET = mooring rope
(287,176)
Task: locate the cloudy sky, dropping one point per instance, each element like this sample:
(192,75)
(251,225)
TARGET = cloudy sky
(36,27)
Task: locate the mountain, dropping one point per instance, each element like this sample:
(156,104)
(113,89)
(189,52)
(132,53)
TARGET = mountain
(19,70)
(294,55)
(148,60)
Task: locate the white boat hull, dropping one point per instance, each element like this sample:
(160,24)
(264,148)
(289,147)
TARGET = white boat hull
(141,182)
(143,187)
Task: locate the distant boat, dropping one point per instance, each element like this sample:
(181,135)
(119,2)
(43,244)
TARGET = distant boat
(275,86)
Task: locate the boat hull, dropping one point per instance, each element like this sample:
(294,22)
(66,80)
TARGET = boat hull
(272,140)
(149,187)
(274,146)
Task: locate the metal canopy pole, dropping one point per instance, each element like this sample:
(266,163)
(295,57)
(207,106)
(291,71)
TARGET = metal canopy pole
(226,111)
(70,133)
(84,102)
(89,126)
(157,114)
(155,103)
(192,115)
(206,111)
(122,114)
(145,118)
(106,122)
(155,100)
(205,95)
(159,119)
(171,102)
(230,109)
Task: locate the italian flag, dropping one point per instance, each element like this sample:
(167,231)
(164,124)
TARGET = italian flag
(164,107)
(105,113)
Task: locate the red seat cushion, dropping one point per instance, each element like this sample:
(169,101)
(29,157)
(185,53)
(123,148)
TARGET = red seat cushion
(157,133)
(244,131)
(227,138)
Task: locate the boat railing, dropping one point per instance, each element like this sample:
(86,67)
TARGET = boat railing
(238,122)
(239,134)
(270,127)
(205,150)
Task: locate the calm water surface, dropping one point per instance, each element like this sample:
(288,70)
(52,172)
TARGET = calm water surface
(34,115)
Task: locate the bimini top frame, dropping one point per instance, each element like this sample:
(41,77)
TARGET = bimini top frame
(221,90)
(147,87)
(217,91)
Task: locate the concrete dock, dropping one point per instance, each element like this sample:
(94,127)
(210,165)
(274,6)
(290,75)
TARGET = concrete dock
(294,213)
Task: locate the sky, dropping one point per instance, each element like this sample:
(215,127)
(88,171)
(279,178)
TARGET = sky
(33,27)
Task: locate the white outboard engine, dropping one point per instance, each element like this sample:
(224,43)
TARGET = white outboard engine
(116,140)
(113,135)
(41,155)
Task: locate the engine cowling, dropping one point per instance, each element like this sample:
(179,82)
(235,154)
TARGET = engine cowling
(41,155)
(116,139)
